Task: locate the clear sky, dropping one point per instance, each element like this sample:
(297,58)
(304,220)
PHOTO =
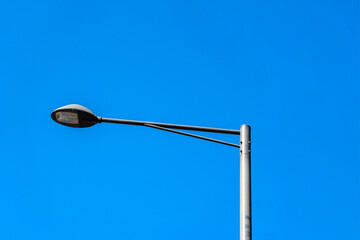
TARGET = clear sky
(290,69)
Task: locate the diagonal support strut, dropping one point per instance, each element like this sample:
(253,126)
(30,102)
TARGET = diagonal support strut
(191,135)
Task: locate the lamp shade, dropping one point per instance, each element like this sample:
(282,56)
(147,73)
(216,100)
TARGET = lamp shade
(74,115)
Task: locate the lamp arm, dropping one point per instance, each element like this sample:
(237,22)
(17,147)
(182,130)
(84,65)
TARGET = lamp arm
(168,125)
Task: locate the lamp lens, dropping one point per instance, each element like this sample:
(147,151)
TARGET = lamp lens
(67,117)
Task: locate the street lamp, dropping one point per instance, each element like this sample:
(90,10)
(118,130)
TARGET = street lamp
(77,116)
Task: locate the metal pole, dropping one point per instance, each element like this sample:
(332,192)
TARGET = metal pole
(245,183)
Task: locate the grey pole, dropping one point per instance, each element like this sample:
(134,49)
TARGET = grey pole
(245,183)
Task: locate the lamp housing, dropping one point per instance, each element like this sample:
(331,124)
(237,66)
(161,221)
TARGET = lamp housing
(74,115)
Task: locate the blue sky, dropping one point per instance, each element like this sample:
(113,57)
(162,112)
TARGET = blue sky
(290,69)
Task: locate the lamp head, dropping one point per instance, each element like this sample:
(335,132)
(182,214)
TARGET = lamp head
(74,115)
